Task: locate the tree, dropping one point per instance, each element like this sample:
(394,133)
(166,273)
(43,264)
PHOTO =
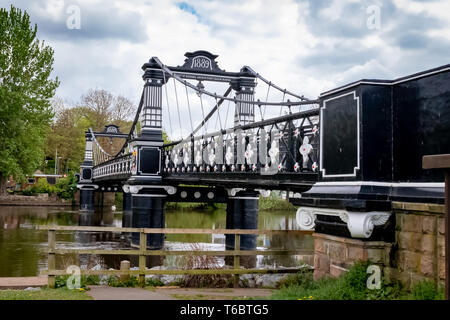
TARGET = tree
(105,108)
(96,109)
(25,92)
(67,135)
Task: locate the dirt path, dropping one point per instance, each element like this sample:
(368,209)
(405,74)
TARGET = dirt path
(22,282)
(161,293)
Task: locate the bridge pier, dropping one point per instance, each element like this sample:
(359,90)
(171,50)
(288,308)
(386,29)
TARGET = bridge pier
(149,212)
(242,213)
(86,199)
(127,213)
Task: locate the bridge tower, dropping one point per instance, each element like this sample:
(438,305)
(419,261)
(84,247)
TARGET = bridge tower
(242,206)
(85,183)
(144,188)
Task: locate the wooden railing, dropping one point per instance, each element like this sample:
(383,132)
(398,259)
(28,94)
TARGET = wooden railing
(143,252)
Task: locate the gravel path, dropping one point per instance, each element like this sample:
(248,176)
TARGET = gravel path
(161,293)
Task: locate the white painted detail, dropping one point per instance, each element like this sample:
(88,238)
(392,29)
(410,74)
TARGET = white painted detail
(322,169)
(305,218)
(170,189)
(263,193)
(360,224)
(197,194)
(183,194)
(232,192)
(383,184)
(210,195)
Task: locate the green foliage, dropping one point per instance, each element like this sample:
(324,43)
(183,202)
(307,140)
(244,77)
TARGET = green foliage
(188,205)
(114,281)
(61,281)
(388,291)
(352,285)
(118,199)
(25,92)
(45,294)
(427,290)
(151,282)
(66,187)
(42,186)
(302,278)
(273,203)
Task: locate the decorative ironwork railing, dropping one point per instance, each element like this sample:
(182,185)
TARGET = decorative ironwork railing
(115,167)
(288,143)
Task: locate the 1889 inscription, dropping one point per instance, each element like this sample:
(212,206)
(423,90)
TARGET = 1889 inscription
(201,63)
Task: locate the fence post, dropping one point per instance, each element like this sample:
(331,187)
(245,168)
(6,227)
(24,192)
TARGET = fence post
(51,257)
(142,247)
(237,247)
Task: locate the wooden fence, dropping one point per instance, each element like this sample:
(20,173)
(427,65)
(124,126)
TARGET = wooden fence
(143,252)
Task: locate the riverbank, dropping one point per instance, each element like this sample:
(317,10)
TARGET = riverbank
(42,199)
(271,203)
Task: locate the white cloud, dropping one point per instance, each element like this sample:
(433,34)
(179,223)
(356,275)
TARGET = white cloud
(305,46)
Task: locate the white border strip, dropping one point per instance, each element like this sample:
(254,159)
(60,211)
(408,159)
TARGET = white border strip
(381,83)
(148,195)
(322,169)
(383,184)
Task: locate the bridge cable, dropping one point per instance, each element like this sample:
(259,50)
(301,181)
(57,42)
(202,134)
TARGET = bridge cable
(218,114)
(205,124)
(281,108)
(209,115)
(167,101)
(133,126)
(178,108)
(189,107)
(267,97)
(253,72)
(186,83)
(226,116)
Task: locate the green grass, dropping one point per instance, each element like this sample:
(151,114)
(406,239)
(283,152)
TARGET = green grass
(44,294)
(351,286)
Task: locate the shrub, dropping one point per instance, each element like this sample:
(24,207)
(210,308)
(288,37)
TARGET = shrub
(66,187)
(427,290)
(302,278)
(61,281)
(42,186)
(114,281)
(274,203)
(151,282)
(195,262)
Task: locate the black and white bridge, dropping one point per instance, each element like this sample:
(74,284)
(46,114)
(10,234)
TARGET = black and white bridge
(345,155)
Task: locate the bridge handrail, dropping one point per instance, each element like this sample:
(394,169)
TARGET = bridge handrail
(112,160)
(288,117)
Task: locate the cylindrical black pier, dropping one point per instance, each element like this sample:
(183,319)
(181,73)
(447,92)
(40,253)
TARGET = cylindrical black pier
(86,199)
(242,213)
(126,202)
(149,212)
(127,213)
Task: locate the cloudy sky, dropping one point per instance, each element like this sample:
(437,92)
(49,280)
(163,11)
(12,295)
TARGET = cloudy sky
(307,46)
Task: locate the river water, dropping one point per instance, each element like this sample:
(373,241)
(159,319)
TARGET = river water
(23,248)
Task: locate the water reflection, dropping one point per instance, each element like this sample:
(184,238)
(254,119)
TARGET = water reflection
(22,247)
